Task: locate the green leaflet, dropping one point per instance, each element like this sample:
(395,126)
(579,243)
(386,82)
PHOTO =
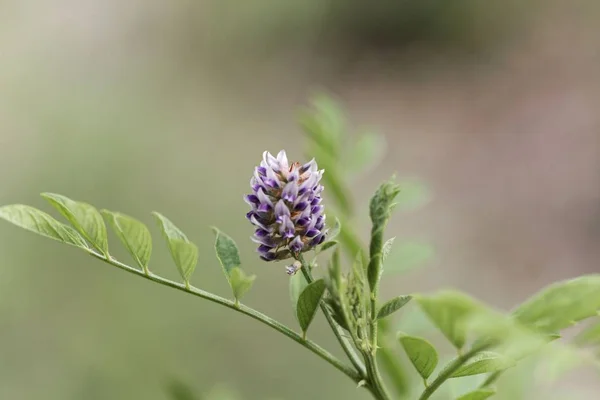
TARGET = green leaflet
(482,363)
(37,221)
(393,305)
(85,219)
(561,304)
(308,303)
(134,235)
(240,282)
(183,252)
(421,353)
(229,258)
(227,252)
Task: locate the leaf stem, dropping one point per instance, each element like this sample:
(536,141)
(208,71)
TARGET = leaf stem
(252,313)
(337,330)
(447,372)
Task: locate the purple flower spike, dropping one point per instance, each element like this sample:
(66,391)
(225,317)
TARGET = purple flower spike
(286,207)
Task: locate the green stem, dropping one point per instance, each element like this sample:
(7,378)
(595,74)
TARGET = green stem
(315,348)
(337,330)
(449,370)
(372,370)
(375,377)
(373,273)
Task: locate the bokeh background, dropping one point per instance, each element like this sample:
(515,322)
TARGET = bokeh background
(167,105)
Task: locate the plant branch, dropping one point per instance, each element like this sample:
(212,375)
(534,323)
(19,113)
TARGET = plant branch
(447,372)
(337,330)
(252,313)
(375,378)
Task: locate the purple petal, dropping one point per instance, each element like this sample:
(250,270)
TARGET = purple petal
(268,256)
(303,221)
(256,222)
(286,229)
(309,183)
(290,192)
(252,200)
(317,240)
(292,269)
(312,233)
(262,196)
(264,208)
(261,233)
(301,206)
(316,210)
(261,170)
(281,210)
(263,248)
(293,176)
(315,201)
(271,175)
(296,245)
(309,166)
(265,240)
(319,224)
(272,183)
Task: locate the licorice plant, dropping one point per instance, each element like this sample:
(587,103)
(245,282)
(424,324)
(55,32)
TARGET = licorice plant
(287,211)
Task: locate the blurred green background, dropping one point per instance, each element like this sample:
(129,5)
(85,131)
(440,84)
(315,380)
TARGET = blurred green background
(155,105)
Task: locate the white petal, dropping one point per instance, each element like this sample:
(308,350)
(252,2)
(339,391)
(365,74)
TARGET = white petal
(283,161)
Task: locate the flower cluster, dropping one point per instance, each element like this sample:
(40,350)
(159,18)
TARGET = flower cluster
(286,207)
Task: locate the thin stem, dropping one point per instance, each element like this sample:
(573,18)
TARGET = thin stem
(252,313)
(337,330)
(375,377)
(375,263)
(372,369)
(449,370)
(374,269)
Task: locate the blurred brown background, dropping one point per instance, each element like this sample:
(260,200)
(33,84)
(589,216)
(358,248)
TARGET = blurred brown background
(167,105)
